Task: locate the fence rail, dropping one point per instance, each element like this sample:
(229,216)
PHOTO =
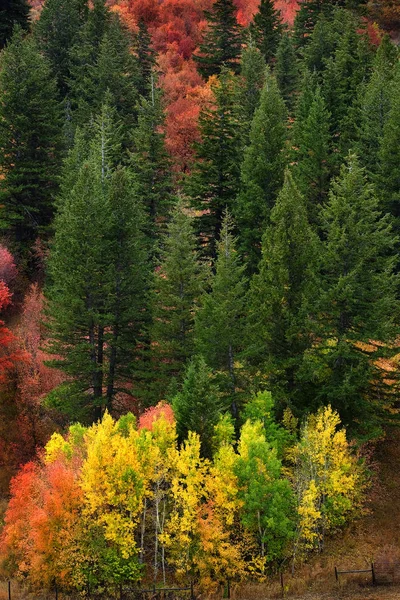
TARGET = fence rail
(357,571)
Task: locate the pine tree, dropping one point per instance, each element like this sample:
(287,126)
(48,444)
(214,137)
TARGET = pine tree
(146,57)
(151,167)
(375,103)
(179,283)
(312,143)
(261,172)
(266,29)
(12,12)
(213,183)
(253,74)
(305,20)
(57,32)
(219,323)
(98,280)
(222,41)
(197,406)
(30,136)
(279,330)
(357,302)
(286,70)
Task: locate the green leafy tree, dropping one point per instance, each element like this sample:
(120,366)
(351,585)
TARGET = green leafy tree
(266,29)
(279,327)
(179,283)
(197,406)
(57,31)
(222,41)
(286,70)
(12,12)
(261,172)
(30,141)
(214,181)
(219,324)
(356,304)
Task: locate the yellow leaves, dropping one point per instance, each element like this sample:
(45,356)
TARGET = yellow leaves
(309,515)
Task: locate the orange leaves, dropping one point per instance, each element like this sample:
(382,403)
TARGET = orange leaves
(153,414)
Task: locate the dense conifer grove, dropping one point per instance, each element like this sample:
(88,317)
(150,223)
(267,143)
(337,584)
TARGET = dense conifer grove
(199,283)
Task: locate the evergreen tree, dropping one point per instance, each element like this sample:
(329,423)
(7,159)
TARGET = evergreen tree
(312,143)
(57,32)
(146,57)
(151,167)
(213,183)
(12,12)
(197,407)
(279,330)
(305,20)
(286,70)
(30,124)
(219,322)
(97,292)
(261,172)
(222,41)
(266,29)
(253,74)
(179,283)
(375,103)
(357,302)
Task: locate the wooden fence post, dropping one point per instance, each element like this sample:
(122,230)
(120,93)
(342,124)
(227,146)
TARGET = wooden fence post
(373,574)
(282,586)
(336,574)
(56,590)
(9,590)
(192,591)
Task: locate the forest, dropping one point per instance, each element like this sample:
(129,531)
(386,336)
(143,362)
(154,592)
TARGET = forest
(199,284)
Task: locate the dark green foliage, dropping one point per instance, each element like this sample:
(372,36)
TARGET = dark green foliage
(179,282)
(376,103)
(214,181)
(266,29)
(279,329)
(261,172)
(57,32)
(312,153)
(305,20)
(197,406)
(219,324)
(151,167)
(98,279)
(357,302)
(286,70)
(253,74)
(12,12)
(222,43)
(146,58)
(30,136)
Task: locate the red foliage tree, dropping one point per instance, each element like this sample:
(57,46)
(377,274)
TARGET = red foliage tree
(8,270)
(152,414)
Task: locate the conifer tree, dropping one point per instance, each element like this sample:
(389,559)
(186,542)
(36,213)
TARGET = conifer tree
(57,32)
(357,302)
(222,41)
(266,29)
(98,281)
(286,70)
(30,126)
(253,74)
(146,61)
(312,143)
(261,172)
(375,103)
(197,406)
(213,183)
(219,324)
(179,283)
(305,20)
(279,330)
(12,12)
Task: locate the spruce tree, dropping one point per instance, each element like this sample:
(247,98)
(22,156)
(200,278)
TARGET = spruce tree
(97,289)
(312,143)
(179,282)
(305,20)
(214,181)
(375,103)
(146,58)
(286,70)
(12,12)
(266,29)
(253,74)
(279,329)
(30,136)
(356,307)
(197,406)
(57,32)
(222,41)
(219,324)
(261,172)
